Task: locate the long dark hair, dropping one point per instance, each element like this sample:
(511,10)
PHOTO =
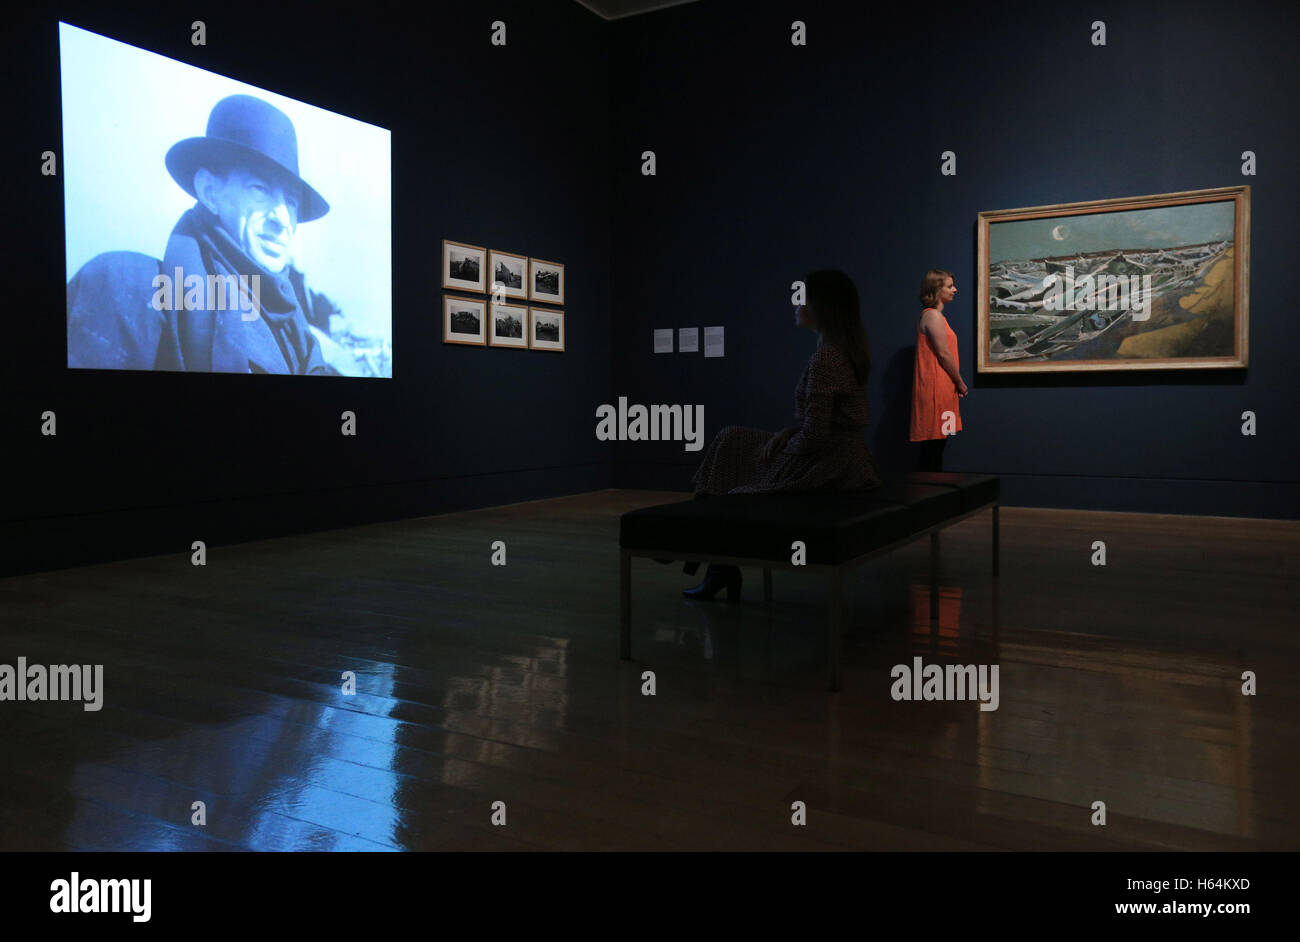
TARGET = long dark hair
(834,301)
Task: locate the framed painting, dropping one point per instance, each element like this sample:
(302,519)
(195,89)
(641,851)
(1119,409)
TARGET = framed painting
(509,326)
(464,320)
(546,281)
(510,272)
(547,331)
(464,266)
(1145,283)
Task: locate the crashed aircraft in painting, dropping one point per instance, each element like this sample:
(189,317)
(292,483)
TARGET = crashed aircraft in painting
(1027,319)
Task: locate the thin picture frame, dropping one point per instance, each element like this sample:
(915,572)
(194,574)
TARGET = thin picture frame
(449,304)
(499,309)
(549,272)
(545,315)
(516,265)
(450,262)
(1188,253)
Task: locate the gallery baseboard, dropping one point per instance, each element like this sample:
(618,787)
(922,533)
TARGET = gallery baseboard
(1276,500)
(43,543)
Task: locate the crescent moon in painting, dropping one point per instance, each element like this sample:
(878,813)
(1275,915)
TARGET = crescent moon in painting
(1059,233)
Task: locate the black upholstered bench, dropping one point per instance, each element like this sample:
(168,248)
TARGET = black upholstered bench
(839,530)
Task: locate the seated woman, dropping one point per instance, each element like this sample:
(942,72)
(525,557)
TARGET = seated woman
(826,450)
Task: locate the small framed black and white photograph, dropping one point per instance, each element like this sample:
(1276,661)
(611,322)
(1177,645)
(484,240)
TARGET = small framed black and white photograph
(545,329)
(545,281)
(464,267)
(510,272)
(509,326)
(464,320)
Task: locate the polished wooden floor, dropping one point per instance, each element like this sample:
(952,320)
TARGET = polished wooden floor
(479,684)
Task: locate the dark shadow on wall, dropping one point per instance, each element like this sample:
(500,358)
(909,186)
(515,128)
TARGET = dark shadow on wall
(890,445)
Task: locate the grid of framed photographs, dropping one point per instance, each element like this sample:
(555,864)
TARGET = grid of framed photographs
(506,278)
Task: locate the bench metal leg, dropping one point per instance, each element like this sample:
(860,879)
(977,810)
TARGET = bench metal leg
(834,628)
(996,543)
(767,584)
(625,605)
(934,577)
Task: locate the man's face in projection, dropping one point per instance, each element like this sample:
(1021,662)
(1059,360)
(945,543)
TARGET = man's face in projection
(259,212)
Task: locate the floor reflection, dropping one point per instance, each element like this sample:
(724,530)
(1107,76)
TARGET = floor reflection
(1185,759)
(296,777)
(941,635)
(358,772)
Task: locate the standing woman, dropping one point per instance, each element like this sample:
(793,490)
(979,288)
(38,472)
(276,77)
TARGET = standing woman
(936,382)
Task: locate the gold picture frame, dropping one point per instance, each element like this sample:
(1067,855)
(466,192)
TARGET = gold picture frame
(455,256)
(545,318)
(507,315)
(548,274)
(515,268)
(1145,283)
(456,312)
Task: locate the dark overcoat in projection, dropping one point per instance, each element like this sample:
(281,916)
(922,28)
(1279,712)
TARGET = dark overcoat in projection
(113,322)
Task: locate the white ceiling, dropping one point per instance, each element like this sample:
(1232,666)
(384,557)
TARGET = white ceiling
(617,9)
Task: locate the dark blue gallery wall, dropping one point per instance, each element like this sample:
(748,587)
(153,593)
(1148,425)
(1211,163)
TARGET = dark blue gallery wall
(774,159)
(505,147)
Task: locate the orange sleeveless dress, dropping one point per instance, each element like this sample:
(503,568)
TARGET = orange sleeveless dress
(933,391)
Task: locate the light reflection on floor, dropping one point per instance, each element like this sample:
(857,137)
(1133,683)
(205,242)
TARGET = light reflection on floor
(287,780)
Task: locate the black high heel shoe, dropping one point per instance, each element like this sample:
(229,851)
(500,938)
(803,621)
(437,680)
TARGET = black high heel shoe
(715,579)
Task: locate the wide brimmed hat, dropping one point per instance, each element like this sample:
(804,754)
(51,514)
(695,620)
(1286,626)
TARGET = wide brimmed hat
(244,130)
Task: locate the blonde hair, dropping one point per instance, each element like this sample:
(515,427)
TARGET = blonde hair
(931,284)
